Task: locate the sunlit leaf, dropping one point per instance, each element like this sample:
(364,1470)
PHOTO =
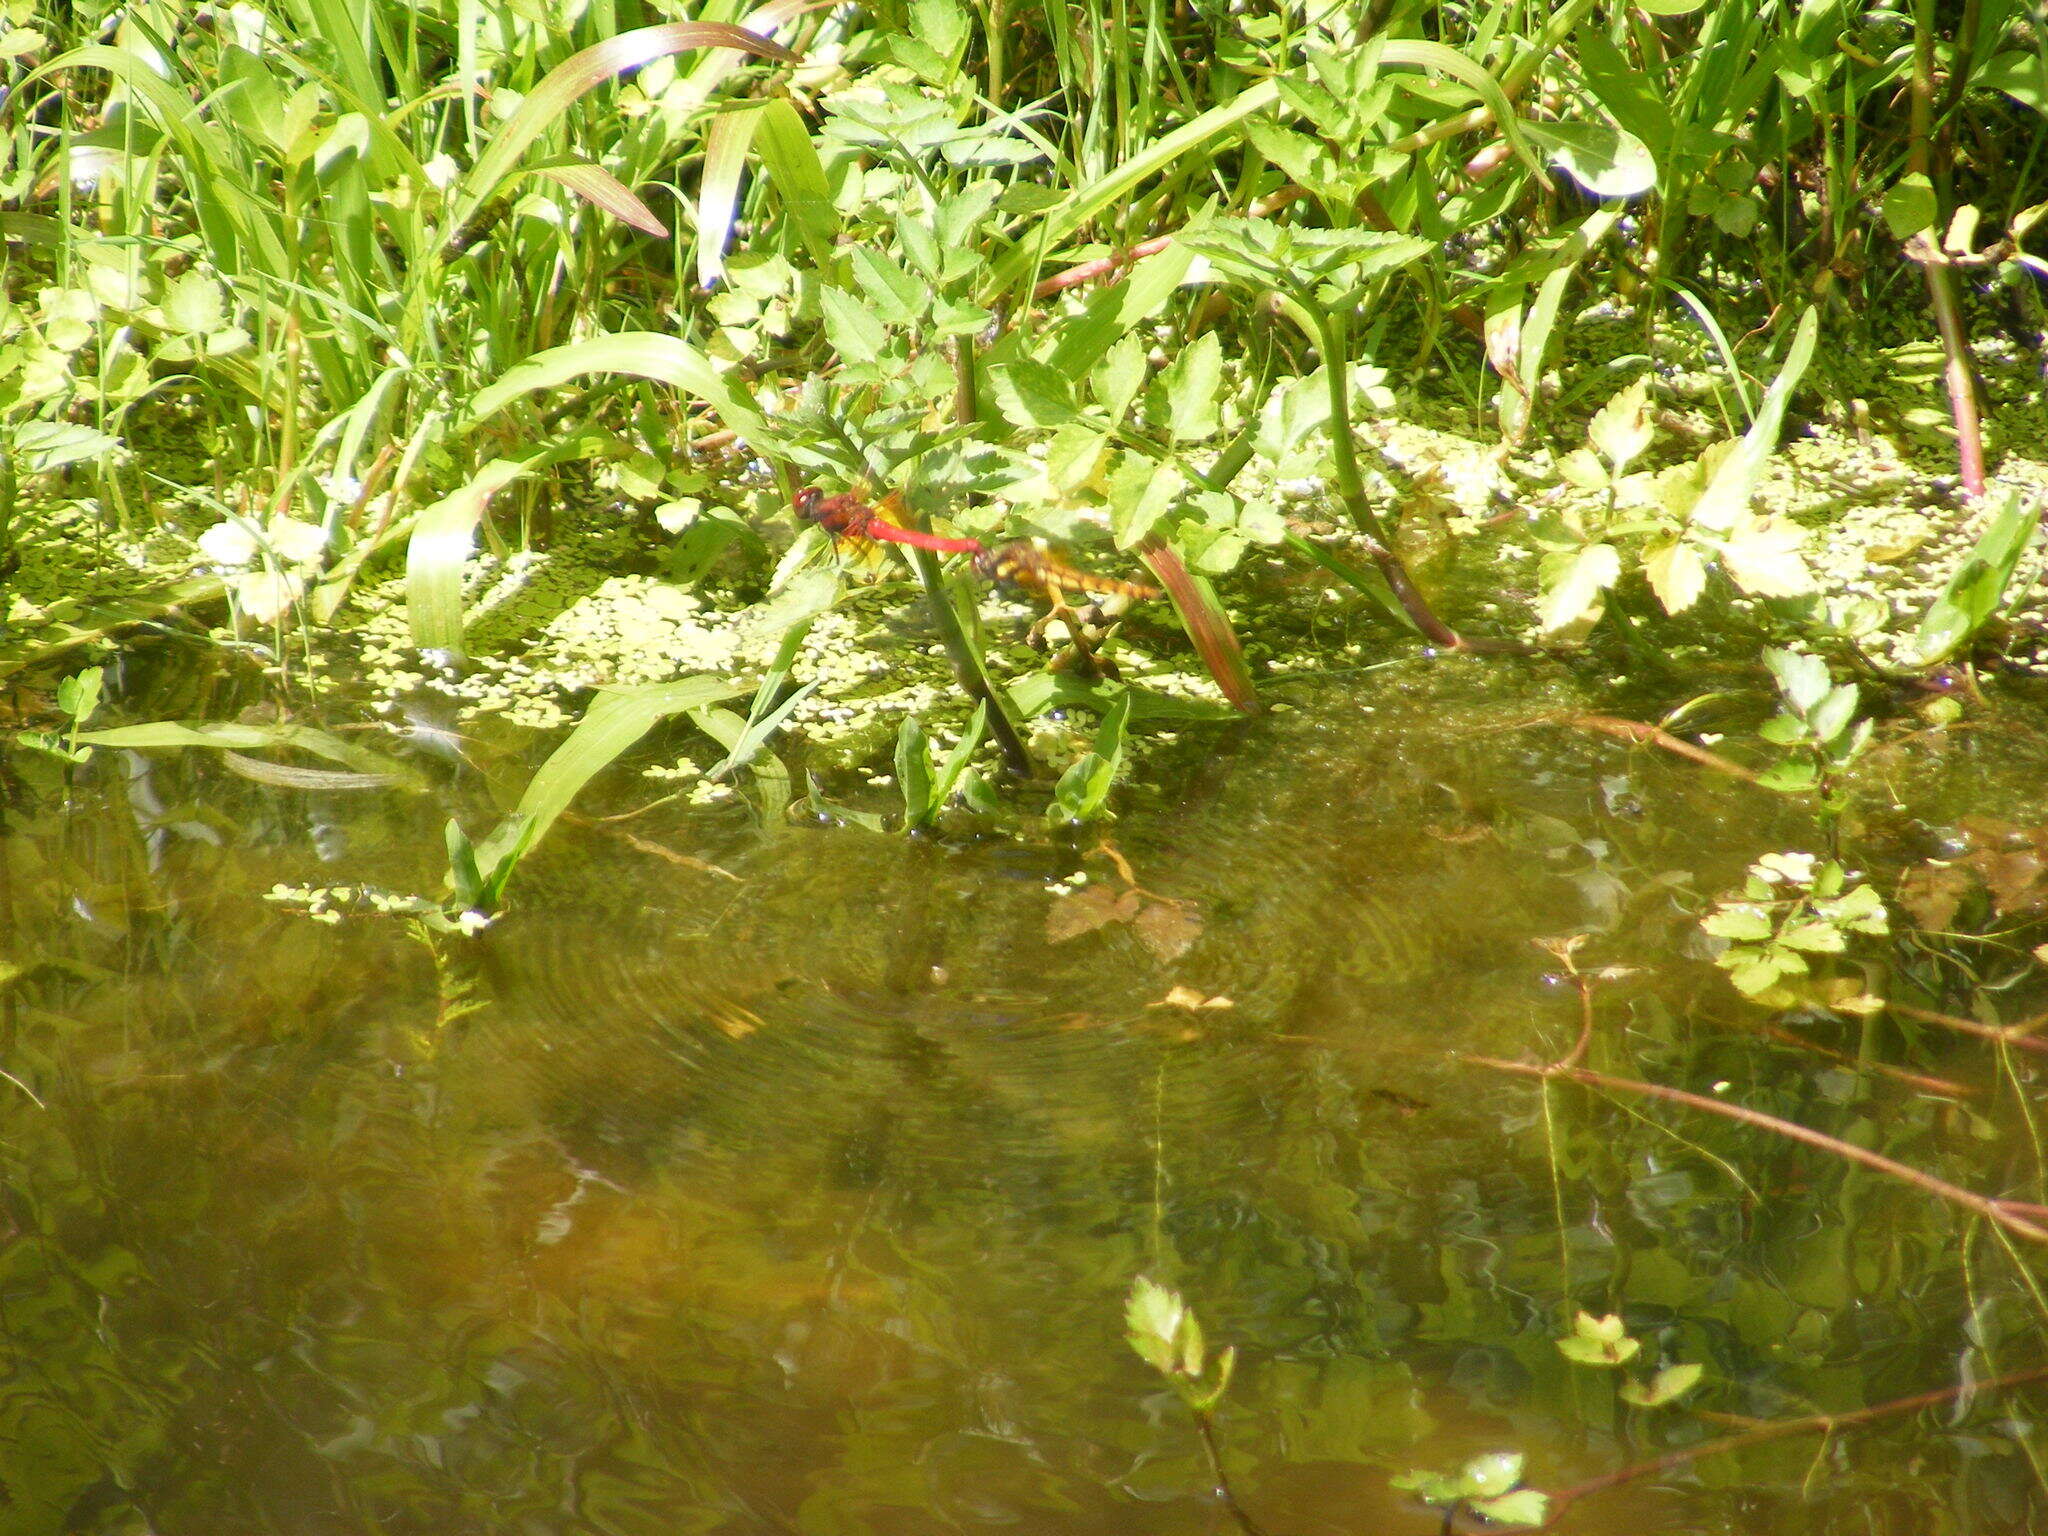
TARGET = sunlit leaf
(615,720)
(1605,160)
(1765,556)
(1677,575)
(1737,472)
(1590,572)
(1667,1386)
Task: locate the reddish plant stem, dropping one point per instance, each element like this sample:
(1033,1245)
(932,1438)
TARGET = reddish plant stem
(2020,1034)
(1822,1423)
(1656,736)
(1999,1211)
(1208,626)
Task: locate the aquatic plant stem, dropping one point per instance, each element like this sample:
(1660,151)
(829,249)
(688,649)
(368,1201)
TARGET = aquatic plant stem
(1822,1423)
(1333,330)
(967,667)
(2004,1213)
(1206,1429)
(1934,263)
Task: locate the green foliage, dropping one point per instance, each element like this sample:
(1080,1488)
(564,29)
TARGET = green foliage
(1598,1341)
(1679,523)
(1794,915)
(1816,726)
(1082,794)
(1605,1343)
(1167,1336)
(1981,588)
(1487,1486)
(926,792)
(78,698)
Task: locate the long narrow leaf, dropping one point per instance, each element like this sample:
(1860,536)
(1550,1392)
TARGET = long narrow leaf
(1202,616)
(582,72)
(643,354)
(718,189)
(796,173)
(442,536)
(1085,202)
(616,719)
(1728,494)
(162,735)
(601,189)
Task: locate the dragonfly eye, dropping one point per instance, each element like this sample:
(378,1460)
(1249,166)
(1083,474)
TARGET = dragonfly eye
(807,503)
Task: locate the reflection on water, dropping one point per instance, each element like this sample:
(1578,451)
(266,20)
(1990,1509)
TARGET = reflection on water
(806,1199)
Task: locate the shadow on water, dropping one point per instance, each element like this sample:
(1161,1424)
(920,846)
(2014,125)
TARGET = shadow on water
(804,1197)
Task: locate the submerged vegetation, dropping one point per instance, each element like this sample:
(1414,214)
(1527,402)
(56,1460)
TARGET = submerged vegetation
(1329,495)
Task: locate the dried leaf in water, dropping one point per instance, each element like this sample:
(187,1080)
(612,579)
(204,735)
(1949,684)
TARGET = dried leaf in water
(1191,999)
(1169,928)
(1932,893)
(1084,911)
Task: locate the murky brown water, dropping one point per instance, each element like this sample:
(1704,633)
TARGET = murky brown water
(804,1197)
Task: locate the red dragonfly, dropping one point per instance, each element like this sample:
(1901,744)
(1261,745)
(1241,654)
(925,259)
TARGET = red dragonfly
(848,516)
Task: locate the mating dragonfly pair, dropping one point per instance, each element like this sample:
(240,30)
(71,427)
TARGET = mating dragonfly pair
(1019,563)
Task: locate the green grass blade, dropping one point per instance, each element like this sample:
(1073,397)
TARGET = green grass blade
(1728,494)
(583,72)
(798,176)
(617,718)
(600,188)
(162,735)
(1082,204)
(643,354)
(442,536)
(718,189)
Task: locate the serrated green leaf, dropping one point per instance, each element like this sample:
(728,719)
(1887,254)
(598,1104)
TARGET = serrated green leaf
(1738,921)
(1802,678)
(1677,575)
(1832,715)
(1141,491)
(1794,776)
(1620,429)
(854,330)
(1814,938)
(1525,1506)
(1590,572)
(1764,556)
(1191,384)
(1117,379)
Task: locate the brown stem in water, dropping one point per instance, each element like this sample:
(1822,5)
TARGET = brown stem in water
(2020,1034)
(1823,1423)
(1208,626)
(1222,1479)
(1655,736)
(2004,1212)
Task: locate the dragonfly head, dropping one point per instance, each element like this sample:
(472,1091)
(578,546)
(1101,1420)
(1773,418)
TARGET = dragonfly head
(807,501)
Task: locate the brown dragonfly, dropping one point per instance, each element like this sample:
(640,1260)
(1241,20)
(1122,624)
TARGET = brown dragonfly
(1021,563)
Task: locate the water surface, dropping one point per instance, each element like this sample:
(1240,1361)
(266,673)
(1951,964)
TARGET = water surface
(801,1194)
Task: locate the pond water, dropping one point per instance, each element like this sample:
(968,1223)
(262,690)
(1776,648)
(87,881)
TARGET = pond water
(798,1188)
